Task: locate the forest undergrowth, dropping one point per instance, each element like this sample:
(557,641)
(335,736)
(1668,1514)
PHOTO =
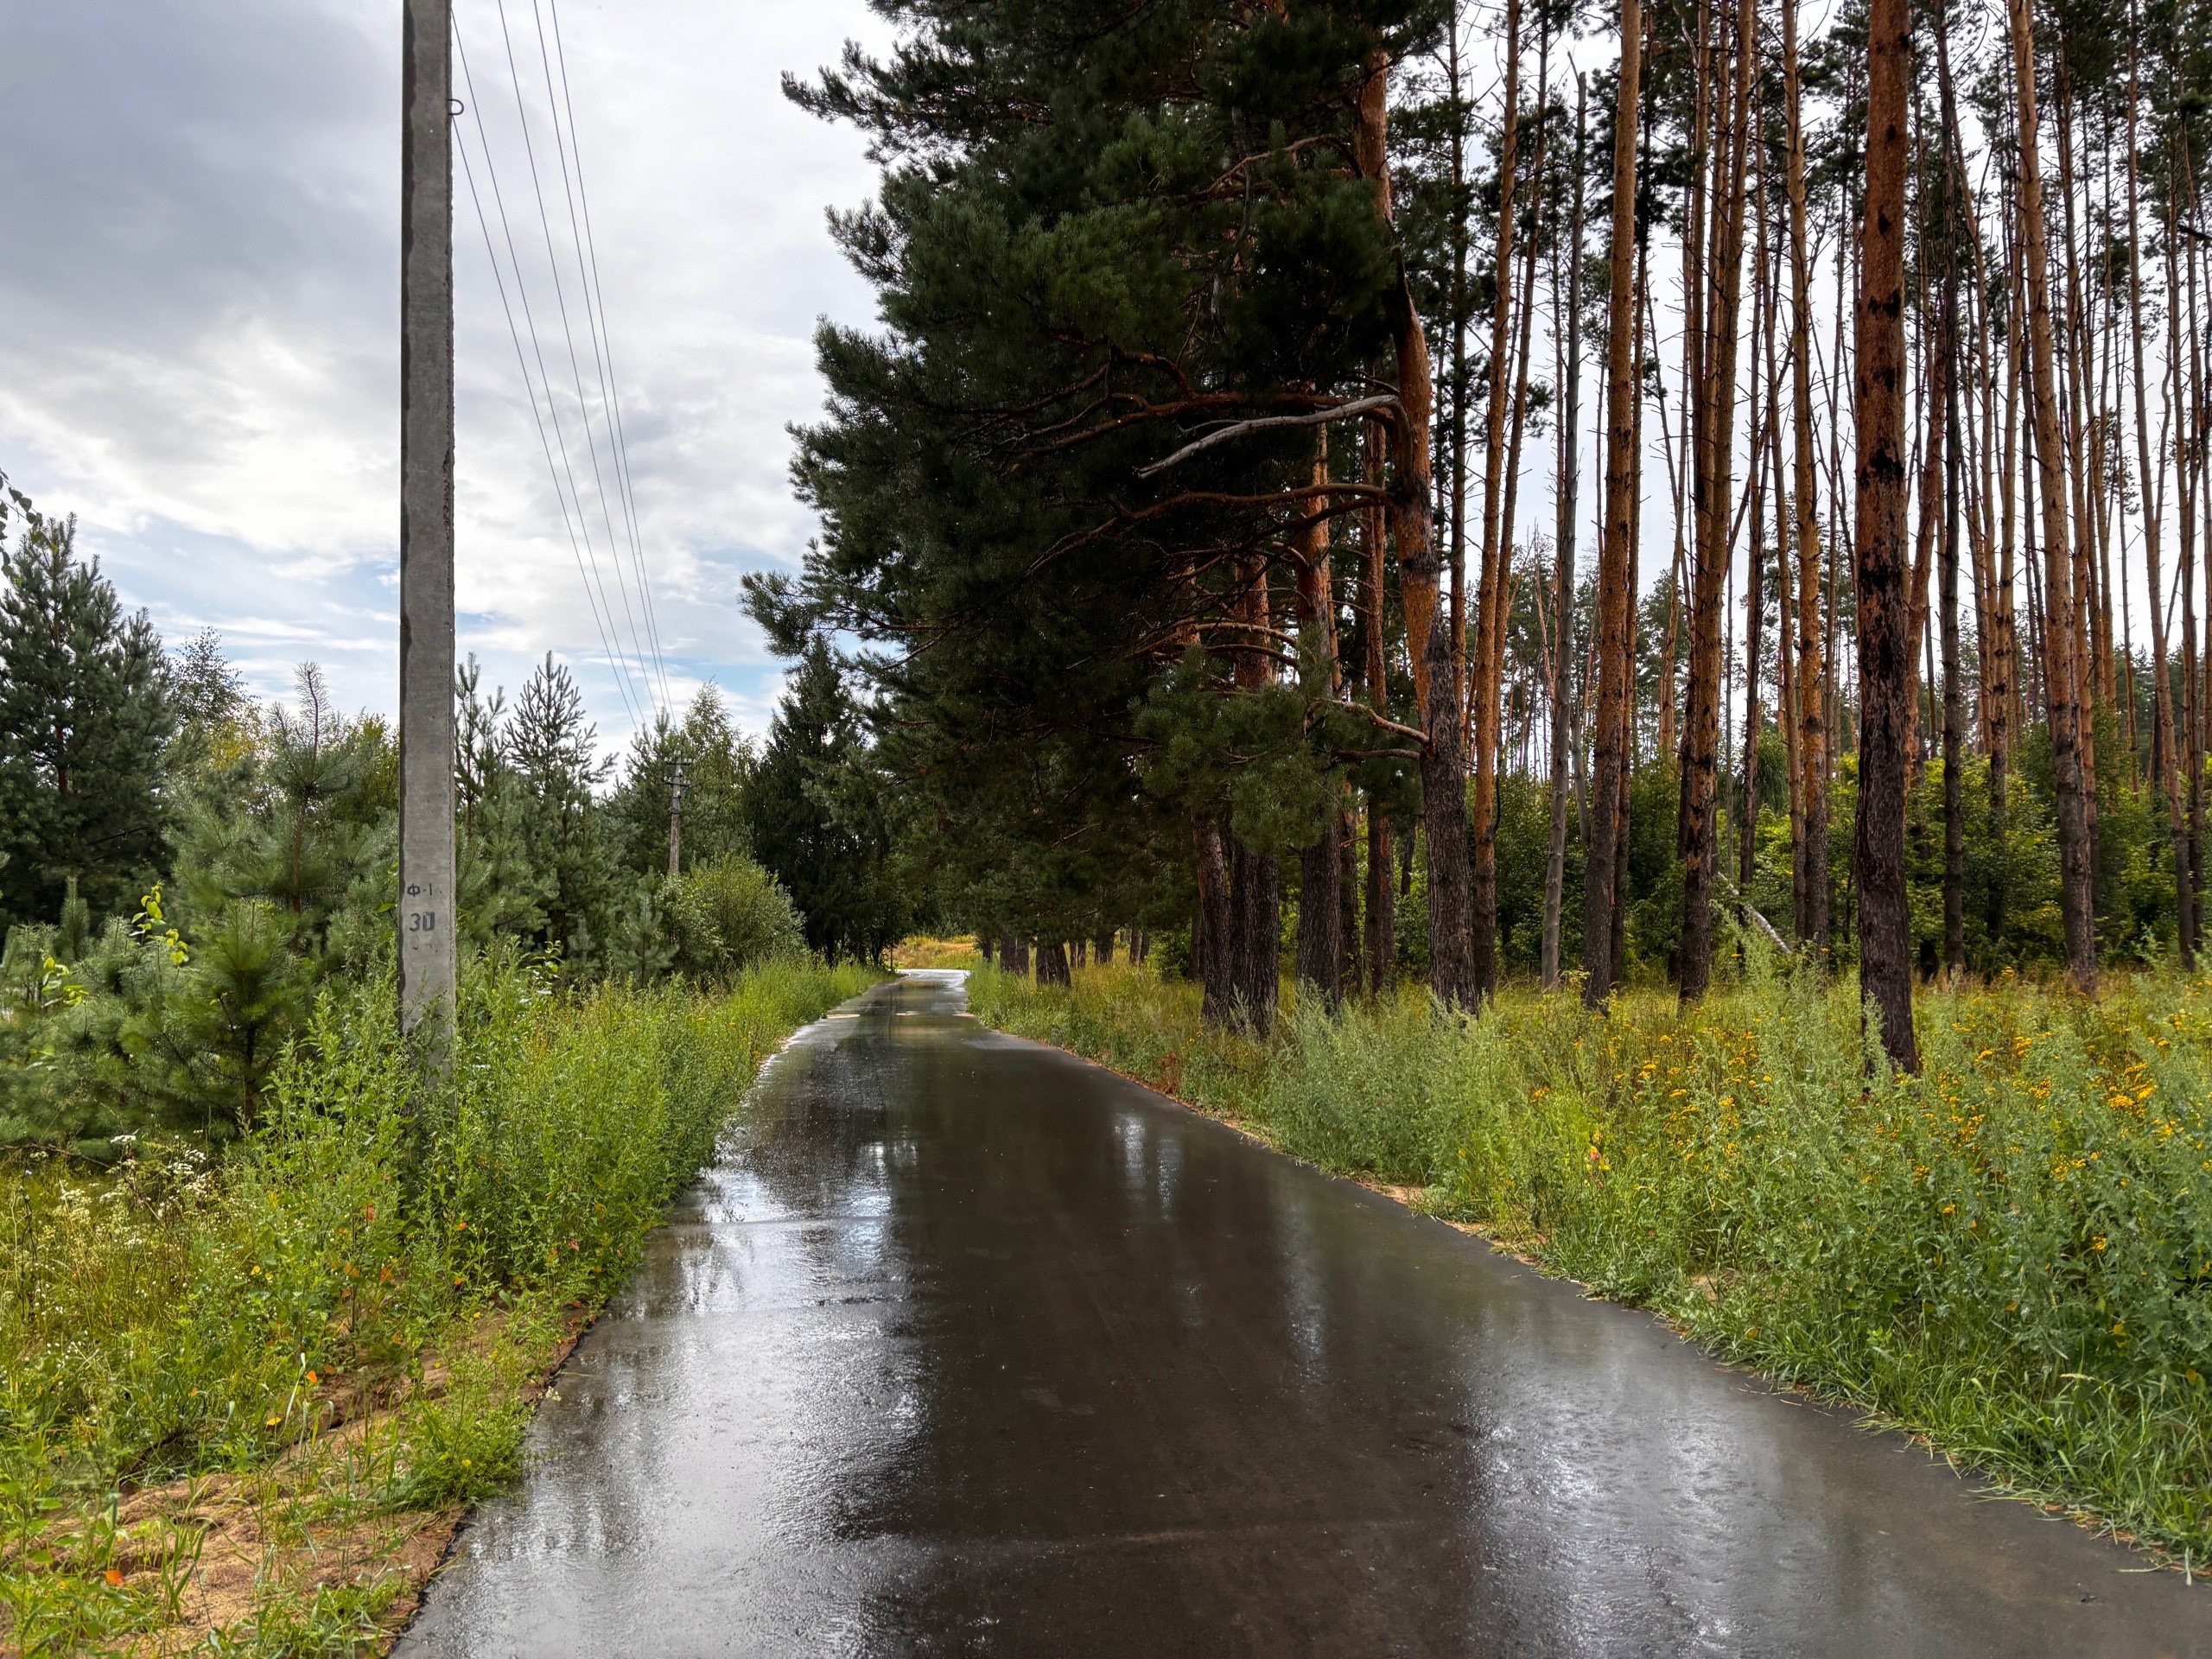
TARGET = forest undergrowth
(244,1398)
(2010,1254)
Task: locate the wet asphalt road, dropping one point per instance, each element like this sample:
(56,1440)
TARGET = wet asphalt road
(966,1347)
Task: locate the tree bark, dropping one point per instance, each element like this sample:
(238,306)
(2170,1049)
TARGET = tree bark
(1810,857)
(2165,760)
(1489,635)
(1645,343)
(2189,744)
(1255,943)
(1714,438)
(1610,759)
(1213,954)
(2004,662)
(1348,940)
(1320,940)
(1954,832)
(1570,454)
(1443,775)
(1766,301)
(2078,441)
(1382,904)
(2061,669)
(2188,453)
(1885,645)
(1754,624)
(1255,879)
(1461,215)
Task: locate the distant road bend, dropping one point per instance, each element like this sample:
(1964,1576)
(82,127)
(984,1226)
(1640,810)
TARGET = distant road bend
(967,1347)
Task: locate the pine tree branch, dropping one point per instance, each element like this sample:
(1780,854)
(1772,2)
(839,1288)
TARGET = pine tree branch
(1368,712)
(1237,430)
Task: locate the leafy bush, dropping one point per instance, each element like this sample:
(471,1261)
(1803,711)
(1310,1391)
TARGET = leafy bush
(731,915)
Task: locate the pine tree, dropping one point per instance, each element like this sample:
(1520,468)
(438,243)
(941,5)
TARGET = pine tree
(84,719)
(1070,469)
(300,828)
(204,689)
(503,895)
(552,747)
(213,712)
(717,762)
(820,816)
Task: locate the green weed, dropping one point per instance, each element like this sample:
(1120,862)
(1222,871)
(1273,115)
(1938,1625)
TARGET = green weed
(184,1314)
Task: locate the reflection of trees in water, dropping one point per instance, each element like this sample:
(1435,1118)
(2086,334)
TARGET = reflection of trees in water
(1106,1301)
(816,1160)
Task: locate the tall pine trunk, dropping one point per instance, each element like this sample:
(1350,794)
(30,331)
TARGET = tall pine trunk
(2163,757)
(1254,878)
(1954,833)
(1321,939)
(1211,949)
(2189,744)
(1810,856)
(1886,642)
(2188,453)
(1256,943)
(2061,666)
(1570,440)
(1610,756)
(1497,549)
(1443,775)
(1767,299)
(1381,900)
(2090,660)
(1456,432)
(1714,439)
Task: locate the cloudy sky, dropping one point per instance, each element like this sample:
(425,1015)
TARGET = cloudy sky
(199,300)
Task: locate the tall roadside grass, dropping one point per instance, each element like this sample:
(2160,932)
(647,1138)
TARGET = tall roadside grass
(2011,1253)
(399,1259)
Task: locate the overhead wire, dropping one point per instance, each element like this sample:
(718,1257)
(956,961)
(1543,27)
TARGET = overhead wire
(576,527)
(568,330)
(596,294)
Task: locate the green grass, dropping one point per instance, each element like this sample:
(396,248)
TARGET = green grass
(2011,1253)
(377,1248)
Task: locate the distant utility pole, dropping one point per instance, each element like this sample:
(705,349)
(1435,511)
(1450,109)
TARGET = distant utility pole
(675,822)
(428,963)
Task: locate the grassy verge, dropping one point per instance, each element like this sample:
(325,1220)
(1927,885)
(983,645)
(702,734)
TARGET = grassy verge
(936,953)
(243,1403)
(2011,1253)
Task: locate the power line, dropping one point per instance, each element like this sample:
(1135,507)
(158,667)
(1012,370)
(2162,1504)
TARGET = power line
(560,294)
(578,528)
(543,439)
(595,293)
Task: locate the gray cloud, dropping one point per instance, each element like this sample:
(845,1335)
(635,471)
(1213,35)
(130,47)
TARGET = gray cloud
(198,291)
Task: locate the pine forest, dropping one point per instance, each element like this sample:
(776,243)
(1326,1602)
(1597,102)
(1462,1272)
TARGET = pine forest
(1592,622)
(1523,511)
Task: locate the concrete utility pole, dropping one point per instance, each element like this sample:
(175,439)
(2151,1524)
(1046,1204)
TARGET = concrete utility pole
(675,822)
(428,963)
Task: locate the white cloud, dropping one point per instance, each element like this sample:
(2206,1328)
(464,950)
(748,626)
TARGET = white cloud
(198,308)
